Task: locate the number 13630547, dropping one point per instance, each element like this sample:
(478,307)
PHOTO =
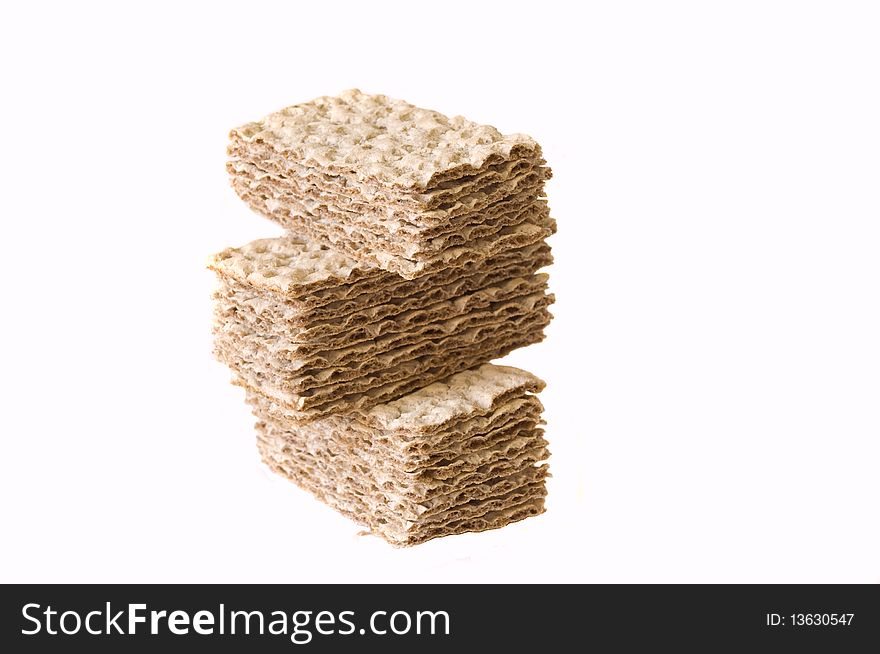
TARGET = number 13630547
(810,619)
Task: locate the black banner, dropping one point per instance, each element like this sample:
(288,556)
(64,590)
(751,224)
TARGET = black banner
(167,618)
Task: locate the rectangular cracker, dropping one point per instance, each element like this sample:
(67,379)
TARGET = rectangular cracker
(374,177)
(388,142)
(391,469)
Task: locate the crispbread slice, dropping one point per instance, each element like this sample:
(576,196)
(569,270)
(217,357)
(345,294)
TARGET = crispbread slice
(392,185)
(361,464)
(390,142)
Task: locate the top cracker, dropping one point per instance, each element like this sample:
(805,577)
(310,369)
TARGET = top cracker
(383,140)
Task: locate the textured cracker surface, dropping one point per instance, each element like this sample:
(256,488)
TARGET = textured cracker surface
(371,368)
(281,318)
(370,390)
(390,235)
(381,139)
(383,336)
(297,266)
(282,264)
(352,497)
(481,468)
(507,239)
(461,394)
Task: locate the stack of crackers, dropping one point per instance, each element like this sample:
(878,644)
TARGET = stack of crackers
(363,336)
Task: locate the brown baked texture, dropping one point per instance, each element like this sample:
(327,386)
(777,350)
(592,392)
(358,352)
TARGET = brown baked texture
(321,333)
(390,184)
(465,454)
(362,339)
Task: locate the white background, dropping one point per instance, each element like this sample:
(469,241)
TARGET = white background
(713,399)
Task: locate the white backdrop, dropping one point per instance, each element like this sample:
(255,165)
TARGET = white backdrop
(713,369)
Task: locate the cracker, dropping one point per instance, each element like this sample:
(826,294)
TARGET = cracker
(363,464)
(389,184)
(378,139)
